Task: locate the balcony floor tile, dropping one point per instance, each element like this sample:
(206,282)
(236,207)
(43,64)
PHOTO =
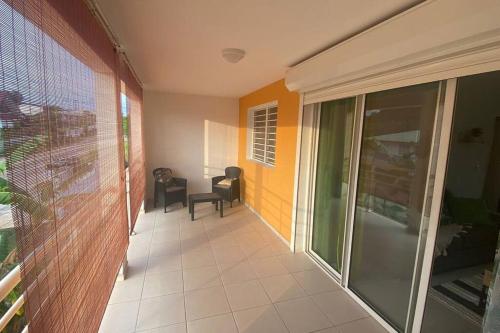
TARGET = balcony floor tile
(224,275)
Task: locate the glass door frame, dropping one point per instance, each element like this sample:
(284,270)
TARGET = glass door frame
(441,137)
(425,247)
(338,276)
(312,187)
(432,226)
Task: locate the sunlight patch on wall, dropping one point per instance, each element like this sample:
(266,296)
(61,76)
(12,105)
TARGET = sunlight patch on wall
(220,148)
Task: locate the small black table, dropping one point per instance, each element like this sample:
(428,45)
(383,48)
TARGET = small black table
(205,197)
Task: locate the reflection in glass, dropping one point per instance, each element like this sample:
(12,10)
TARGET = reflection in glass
(396,142)
(332,180)
(463,269)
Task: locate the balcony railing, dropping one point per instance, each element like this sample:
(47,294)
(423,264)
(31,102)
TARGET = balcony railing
(7,284)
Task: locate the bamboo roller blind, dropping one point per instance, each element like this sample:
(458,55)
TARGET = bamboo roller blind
(61,129)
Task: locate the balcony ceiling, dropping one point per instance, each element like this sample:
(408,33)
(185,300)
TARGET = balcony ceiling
(175,45)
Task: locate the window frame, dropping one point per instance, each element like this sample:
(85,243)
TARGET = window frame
(251,133)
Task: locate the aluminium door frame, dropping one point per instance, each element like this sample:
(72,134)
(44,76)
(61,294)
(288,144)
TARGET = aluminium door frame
(441,129)
(426,202)
(352,198)
(312,187)
(353,185)
(338,275)
(446,127)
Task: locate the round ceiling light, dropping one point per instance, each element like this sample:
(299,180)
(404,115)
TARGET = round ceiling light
(233,55)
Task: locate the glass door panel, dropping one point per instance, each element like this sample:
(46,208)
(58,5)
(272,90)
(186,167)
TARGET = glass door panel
(463,266)
(332,180)
(395,147)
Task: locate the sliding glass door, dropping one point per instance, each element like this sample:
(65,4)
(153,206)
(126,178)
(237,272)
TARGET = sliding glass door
(332,180)
(404,185)
(396,142)
(464,291)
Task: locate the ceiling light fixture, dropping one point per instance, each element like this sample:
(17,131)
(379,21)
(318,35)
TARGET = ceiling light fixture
(233,55)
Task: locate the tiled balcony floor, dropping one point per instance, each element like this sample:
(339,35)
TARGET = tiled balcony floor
(224,275)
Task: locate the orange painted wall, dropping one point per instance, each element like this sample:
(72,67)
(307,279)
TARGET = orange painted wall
(269,190)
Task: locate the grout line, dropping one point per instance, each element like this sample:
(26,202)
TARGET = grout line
(182,274)
(144,278)
(274,305)
(231,233)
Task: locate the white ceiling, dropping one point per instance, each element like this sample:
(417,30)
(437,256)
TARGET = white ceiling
(175,45)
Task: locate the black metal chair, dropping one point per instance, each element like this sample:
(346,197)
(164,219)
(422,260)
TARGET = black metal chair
(173,191)
(231,190)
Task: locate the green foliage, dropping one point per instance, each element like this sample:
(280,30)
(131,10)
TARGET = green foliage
(27,148)
(125,125)
(7,245)
(9,260)
(18,322)
(5,196)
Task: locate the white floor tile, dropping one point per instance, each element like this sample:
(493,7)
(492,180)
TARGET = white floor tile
(263,319)
(262,251)
(223,241)
(362,326)
(265,267)
(218,324)
(297,262)
(138,249)
(198,258)
(282,287)
(142,226)
(229,254)
(207,302)
(246,295)
(162,284)
(198,243)
(173,226)
(127,290)
(120,317)
(164,264)
(339,307)
(208,268)
(201,277)
(161,311)
(175,328)
(315,281)
(193,232)
(280,247)
(165,235)
(236,272)
(137,266)
(332,330)
(301,315)
(165,249)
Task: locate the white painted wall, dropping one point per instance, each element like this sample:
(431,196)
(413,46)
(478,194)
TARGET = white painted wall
(195,136)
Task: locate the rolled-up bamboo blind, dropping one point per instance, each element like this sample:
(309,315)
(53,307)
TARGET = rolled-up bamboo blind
(137,173)
(59,111)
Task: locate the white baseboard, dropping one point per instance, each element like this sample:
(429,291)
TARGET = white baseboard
(287,243)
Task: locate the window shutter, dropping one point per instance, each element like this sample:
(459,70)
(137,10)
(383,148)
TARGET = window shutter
(259,135)
(265,121)
(272,120)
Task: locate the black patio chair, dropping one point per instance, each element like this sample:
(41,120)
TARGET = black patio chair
(228,186)
(173,189)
